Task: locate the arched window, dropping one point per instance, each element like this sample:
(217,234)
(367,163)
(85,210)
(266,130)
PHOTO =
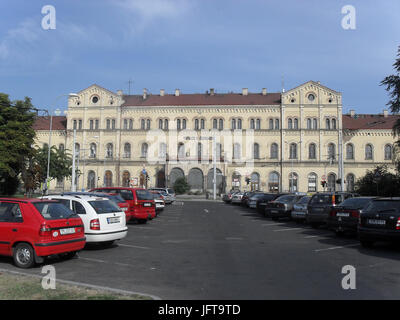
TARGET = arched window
(256,151)
(309,124)
(160,124)
(148,123)
(273,182)
(108,124)
(219,151)
(126,177)
(312,182)
(233,124)
(93,150)
(196,124)
(350,182)
(331,151)
(162,151)
(296,124)
(144,150)
(274,151)
(130,124)
(108,179)
(91,180)
(252,124)
(276,124)
(113,124)
(388,152)
(328,124)
(315,124)
(271,124)
(181,151)
(312,151)
(290,123)
(349,151)
(127,150)
(221,124)
(255,181)
(91,124)
(77,149)
(143,124)
(61,147)
(109,150)
(183,123)
(258,124)
(125,124)
(199,151)
(202,124)
(239,124)
(331,182)
(334,124)
(293,181)
(166,124)
(178,124)
(369,152)
(293,151)
(236,151)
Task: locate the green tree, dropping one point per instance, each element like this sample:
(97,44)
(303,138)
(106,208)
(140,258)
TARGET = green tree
(379,182)
(16,139)
(181,186)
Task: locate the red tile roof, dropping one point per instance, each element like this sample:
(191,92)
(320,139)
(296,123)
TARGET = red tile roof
(198,99)
(369,121)
(43,123)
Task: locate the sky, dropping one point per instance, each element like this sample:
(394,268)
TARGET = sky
(195,45)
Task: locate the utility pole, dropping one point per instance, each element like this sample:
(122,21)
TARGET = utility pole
(215,168)
(73,186)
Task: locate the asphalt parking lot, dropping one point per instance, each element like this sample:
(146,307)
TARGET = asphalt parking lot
(210,250)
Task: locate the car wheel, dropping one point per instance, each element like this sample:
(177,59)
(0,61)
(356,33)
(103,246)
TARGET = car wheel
(24,256)
(367,243)
(275,218)
(314,225)
(339,233)
(107,244)
(142,221)
(69,255)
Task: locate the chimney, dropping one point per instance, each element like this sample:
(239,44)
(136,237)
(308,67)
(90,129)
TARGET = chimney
(144,94)
(385,113)
(177,92)
(352,113)
(162,92)
(245,91)
(211,91)
(264,91)
(119,92)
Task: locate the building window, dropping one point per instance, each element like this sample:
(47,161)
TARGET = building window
(61,147)
(271,124)
(233,124)
(273,182)
(92,150)
(221,124)
(331,182)
(333,124)
(368,152)
(215,124)
(199,151)
(388,152)
(236,151)
(290,124)
(80,124)
(296,124)
(148,124)
(196,124)
(127,150)
(256,151)
(331,151)
(315,124)
(113,124)
(309,124)
(125,124)
(276,124)
(91,180)
(350,182)
(75,124)
(144,149)
(181,151)
(274,151)
(109,150)
(162,152)
(160,124)
(252,124)
(91,124)
(143,124)
(108,179)
(312,151)
(96,124)
(108,124)
(293,151)
(349,152)
(328,124)
(312,182)
(293,179)
(166,124)
(130,124)
(202,124)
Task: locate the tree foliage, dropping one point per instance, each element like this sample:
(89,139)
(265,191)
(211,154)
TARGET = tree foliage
(181,186)
(379,182)
(16,139)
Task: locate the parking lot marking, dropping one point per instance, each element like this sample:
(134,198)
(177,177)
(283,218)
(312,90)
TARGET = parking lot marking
(174,241)
(309,237)
(132,246)
(287,229)
(206,211)
(271,224)
(92,260)
(233,238)
(137,227)
(338,247)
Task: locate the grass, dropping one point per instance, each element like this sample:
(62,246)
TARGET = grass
(20,287)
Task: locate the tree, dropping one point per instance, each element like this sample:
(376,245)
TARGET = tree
(392,84)
(16,139)
(379,182)
(181,186)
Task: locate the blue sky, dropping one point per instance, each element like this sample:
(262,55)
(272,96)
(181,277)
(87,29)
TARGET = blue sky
(195,45)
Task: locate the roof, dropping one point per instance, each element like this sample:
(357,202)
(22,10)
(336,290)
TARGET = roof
(198,99)
(369,121)
(43,123)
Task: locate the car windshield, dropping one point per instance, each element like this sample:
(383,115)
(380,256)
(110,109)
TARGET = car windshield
(116,198)
(104,206)
(383,205)
(144,195)
(355,202)
(285,199)
(126,194)
(303,200)
(53,210)
(256,196)
(322,199)
(171,191)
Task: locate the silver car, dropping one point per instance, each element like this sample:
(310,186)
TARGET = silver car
(170,192)
(237,198)
(299,211)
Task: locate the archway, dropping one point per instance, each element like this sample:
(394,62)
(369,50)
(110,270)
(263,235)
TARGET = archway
(126,177)
(196,179)
(160,177)
(175,174)
(219,182)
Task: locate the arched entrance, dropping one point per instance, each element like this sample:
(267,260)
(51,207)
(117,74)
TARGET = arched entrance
(126,177)
(160,179)
(219,182)
(108,179)
(91,182)
(175,174)
(236,180)
(195,180)
(255,181)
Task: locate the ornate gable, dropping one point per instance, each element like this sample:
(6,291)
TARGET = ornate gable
(95,96)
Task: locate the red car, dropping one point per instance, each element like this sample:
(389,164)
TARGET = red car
(141,201)
(32,229)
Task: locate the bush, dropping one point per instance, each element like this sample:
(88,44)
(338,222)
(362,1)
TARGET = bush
(181,186)
(379,182)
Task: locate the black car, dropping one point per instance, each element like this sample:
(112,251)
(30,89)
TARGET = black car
(344,217)
(264,200)
(282,206)
(321,204)
(380,220)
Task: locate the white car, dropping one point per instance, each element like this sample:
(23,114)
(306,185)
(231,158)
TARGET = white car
(103,220)
(237,198)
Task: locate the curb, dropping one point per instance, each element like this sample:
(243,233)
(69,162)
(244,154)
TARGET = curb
(85,285)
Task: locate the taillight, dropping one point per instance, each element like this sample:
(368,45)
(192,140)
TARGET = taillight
(333,213)
(45,230)
(398,224)
(95,224)
(355,213)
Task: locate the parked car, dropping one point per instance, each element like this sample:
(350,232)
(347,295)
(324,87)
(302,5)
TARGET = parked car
(345,216)
(141,202)
(264,200)
(252,202)
(158,200)
(32,229)
(169,191)
(380,220)
(227,198)
(282,206)
(237,198)
(114,197)
(103,220)
(168,199)
(299,211)
(245,198)
(321,204)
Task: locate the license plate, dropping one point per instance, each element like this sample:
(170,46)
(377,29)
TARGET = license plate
(377,222)
(113,220)
(342,214)
(274,211)
(67,231)
(147,204)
